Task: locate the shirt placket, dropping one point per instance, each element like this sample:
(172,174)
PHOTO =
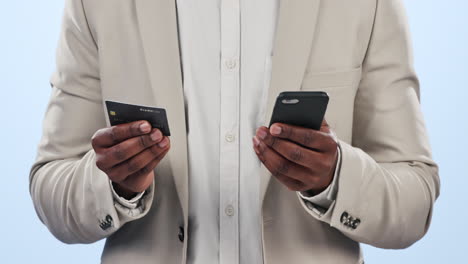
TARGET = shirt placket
(229,132)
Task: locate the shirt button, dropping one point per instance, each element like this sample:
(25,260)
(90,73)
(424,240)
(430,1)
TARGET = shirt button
(231,64)
(230,137)
(229,210)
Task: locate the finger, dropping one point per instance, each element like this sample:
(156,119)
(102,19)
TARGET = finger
(306,137)
(111,136)
(122,170)
(291,184)
(278,165)
(290,150)
(128,148)
(142,179)
(324,126)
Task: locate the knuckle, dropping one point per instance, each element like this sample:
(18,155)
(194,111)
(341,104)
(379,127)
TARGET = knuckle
(292,187)
(118,153)
(287,131)
(94,139)
(155,150)
(299,186)
(296,154)
(307,138)
(134,129)
(97,136)
(145,170)
(143,142)
(263,160)
(314,180)
(283,167)
(113,134)
(326,164)
(100,163)
(133,165)
(272,171)
(280,178)
(113,176)
(329,164)
(273,142)
(161,156)
(319,167)
(275,172)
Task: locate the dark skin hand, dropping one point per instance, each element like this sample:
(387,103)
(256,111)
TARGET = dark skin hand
(300,158)
(128,154)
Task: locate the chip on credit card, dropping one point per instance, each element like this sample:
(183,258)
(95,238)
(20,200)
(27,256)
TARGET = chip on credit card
(120,113)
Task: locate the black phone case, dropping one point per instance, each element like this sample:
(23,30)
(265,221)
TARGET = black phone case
(304,109)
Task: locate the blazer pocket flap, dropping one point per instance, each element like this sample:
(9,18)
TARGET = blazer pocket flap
(332,78)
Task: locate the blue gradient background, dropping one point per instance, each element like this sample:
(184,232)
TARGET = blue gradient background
(29,33)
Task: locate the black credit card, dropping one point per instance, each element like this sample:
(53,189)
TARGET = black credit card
(120,113)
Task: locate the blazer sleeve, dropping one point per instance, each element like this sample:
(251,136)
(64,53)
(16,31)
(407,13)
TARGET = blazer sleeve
(72,197)
(388,181)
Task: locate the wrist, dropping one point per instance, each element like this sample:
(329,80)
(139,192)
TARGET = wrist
(123,192)
(314,192)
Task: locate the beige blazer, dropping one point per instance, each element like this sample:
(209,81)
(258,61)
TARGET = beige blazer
(127,50)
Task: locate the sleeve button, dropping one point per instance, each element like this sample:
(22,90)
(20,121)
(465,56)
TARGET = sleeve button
(181,234)
(356,223)
(344,218)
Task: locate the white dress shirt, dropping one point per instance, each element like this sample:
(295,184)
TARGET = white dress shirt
(226,48)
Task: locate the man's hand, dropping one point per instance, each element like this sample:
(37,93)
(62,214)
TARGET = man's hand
(128,154)
(302,159)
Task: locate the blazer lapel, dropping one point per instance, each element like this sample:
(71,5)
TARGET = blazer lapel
(293,43)
(158,26)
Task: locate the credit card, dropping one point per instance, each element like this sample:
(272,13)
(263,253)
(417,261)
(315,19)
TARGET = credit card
(120,113)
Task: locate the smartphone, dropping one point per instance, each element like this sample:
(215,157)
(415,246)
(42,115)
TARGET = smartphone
(300,108)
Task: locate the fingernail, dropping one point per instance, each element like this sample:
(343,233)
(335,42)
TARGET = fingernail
(145,127)
(256,142)
(261,134)
(156,135)
(275,130)
(163,143)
